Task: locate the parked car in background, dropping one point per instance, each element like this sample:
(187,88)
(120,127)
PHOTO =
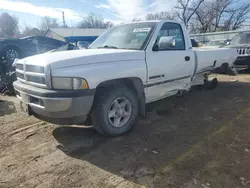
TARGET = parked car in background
(27,46)
(196,44)
(82,45)
(241,42)
(82,39)
(65,47)
(227,41)
(215,43)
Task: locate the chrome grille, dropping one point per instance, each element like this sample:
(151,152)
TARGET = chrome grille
(20,75)
(243,52)
(36,79)
(33,68)
(19,66)
(31,74)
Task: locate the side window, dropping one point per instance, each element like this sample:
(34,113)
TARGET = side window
(49,42)
(32,40)
(43,41)
(56,43)
(46,44)
(172,30)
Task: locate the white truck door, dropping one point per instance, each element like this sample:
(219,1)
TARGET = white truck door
(169,69)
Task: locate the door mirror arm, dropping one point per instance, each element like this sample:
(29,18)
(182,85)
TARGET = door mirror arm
(155,47)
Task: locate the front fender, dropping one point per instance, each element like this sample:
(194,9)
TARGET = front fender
(99,72)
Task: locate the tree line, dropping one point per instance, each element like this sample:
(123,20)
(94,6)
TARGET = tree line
(10,27)
(199,16)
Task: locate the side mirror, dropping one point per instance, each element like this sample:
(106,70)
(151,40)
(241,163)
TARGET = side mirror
(82,44)
(165,43)
(228,42)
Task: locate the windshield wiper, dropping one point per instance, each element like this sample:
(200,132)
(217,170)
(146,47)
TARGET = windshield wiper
(107,46)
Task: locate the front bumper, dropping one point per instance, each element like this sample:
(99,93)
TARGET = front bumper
(242,62)
(56,106)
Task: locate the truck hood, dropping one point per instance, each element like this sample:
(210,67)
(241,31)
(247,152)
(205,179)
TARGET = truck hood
(83,57)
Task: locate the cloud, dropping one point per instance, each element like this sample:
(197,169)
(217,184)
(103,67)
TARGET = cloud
(124,9)
(29,8)
(162,5)
(129,9)
(103,6)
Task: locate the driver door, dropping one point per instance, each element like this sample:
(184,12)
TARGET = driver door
(170,69)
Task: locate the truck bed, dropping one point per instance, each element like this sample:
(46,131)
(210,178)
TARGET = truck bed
(206,58)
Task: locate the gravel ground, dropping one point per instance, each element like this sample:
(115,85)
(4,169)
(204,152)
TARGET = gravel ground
(201,139)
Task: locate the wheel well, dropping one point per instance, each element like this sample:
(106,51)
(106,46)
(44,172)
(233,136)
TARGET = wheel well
(133,83)
(223,69)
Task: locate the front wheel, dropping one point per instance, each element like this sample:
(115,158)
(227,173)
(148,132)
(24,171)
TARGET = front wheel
(11,53)
(115,111)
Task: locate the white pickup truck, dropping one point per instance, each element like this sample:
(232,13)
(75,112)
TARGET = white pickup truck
(111,81)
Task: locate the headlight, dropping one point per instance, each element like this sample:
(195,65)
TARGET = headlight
(69,83)
(248,51)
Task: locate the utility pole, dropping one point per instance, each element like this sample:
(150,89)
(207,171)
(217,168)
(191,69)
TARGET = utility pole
(64,23)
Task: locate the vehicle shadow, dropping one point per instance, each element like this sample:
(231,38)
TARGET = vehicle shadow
(172,127)
(7,107)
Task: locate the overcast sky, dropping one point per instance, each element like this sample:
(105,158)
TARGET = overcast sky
(30,11)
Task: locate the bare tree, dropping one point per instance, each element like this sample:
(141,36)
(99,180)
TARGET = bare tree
(160,16)
(236,16)
(47,22)
(222,15)
(220,7)
(8,25)
(30,31)
(205,16)
(186,9)
(94,21)
(135,20)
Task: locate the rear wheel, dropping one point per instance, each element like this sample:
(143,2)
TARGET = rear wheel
(115,111)
(211,83)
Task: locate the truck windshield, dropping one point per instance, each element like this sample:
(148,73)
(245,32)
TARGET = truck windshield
(243,38)
(129,36)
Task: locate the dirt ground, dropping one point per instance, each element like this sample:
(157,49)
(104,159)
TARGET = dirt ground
(201,139)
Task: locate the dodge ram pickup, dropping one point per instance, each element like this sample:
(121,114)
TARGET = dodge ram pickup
(121,71)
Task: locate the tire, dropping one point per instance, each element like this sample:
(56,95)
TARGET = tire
(106,102)
(248,70)
(11,53)
(211,84)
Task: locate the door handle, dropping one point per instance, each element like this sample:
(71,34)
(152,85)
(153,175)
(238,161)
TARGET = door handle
(187,58)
